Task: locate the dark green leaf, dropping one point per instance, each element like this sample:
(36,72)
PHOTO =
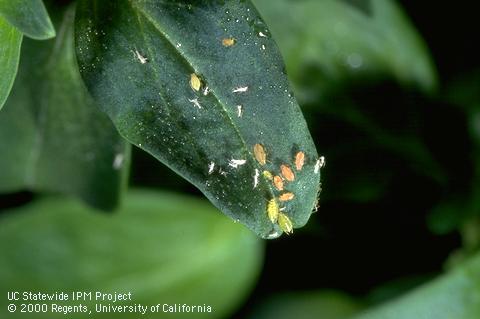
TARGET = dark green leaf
(341,42)
(137,58)
(52,136)
(29,17)
(163,248)
(455,295)
(10,43)
(307,305)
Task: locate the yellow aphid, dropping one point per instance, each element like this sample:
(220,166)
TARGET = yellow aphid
(285,197)
(299,160)
(278,183)
(287,173)
(260,155)
(228,42)
(272,210)
(285,223)
(268,175)
(195,82)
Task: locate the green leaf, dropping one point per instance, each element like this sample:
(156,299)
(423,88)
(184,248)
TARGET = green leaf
(52,136)
(29,17)
(341,42)
(455,295)
(10,43)
(137,58)
(307,305)
(163,248)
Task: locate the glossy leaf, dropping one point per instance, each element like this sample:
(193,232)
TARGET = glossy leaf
(143,60)
(10,43)
(52,136)
(340,41)
(455,295)
(161,247)
(29,17)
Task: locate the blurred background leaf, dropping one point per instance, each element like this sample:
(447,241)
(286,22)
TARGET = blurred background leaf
(455,295)
(332,41)
(10,44)
(53,138)
(164,248)
(308,305)
(29,16)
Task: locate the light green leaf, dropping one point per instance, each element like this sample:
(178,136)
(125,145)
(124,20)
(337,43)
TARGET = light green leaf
(10,43)
(137,59)
(343,42)
(163,248)
(29,17)
(52,136)
(307,305)
(455,295)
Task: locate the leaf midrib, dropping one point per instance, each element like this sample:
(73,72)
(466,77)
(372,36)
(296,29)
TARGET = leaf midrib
(222,107)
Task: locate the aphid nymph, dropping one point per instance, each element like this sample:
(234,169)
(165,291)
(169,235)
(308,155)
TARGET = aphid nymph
(272,210)
(299,160)
(287,173)
(228,42)
(260,154)
(278,182)
(285,223)
(195,82)
(285,197)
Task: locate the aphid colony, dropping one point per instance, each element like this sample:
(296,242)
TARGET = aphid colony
(274,212)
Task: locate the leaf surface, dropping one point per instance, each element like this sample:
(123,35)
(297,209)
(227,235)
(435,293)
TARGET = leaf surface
(29,17)
(198,84)
(10,43)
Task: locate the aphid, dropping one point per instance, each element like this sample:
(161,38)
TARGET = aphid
(236,163)
(287,173)
(268,175)
(299,160)
(260,154)
(140,57)
(278,183)
(255,178)
(285,197)
(240,89)
(285,223)
(261,34)
(195,102)
(239,110)
(228,42)
(272,210)
(195,82)
(211,167)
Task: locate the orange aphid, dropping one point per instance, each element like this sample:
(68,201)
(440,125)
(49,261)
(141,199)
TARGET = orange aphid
(228,42)
(287,173)
(260,154)
(278,182)
(285,197)
(299,160)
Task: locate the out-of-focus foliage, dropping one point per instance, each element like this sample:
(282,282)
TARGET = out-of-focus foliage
(455,295)
(339,41)
(308,305)
(164,248)
(29,16)
(52,135)
(10,43)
